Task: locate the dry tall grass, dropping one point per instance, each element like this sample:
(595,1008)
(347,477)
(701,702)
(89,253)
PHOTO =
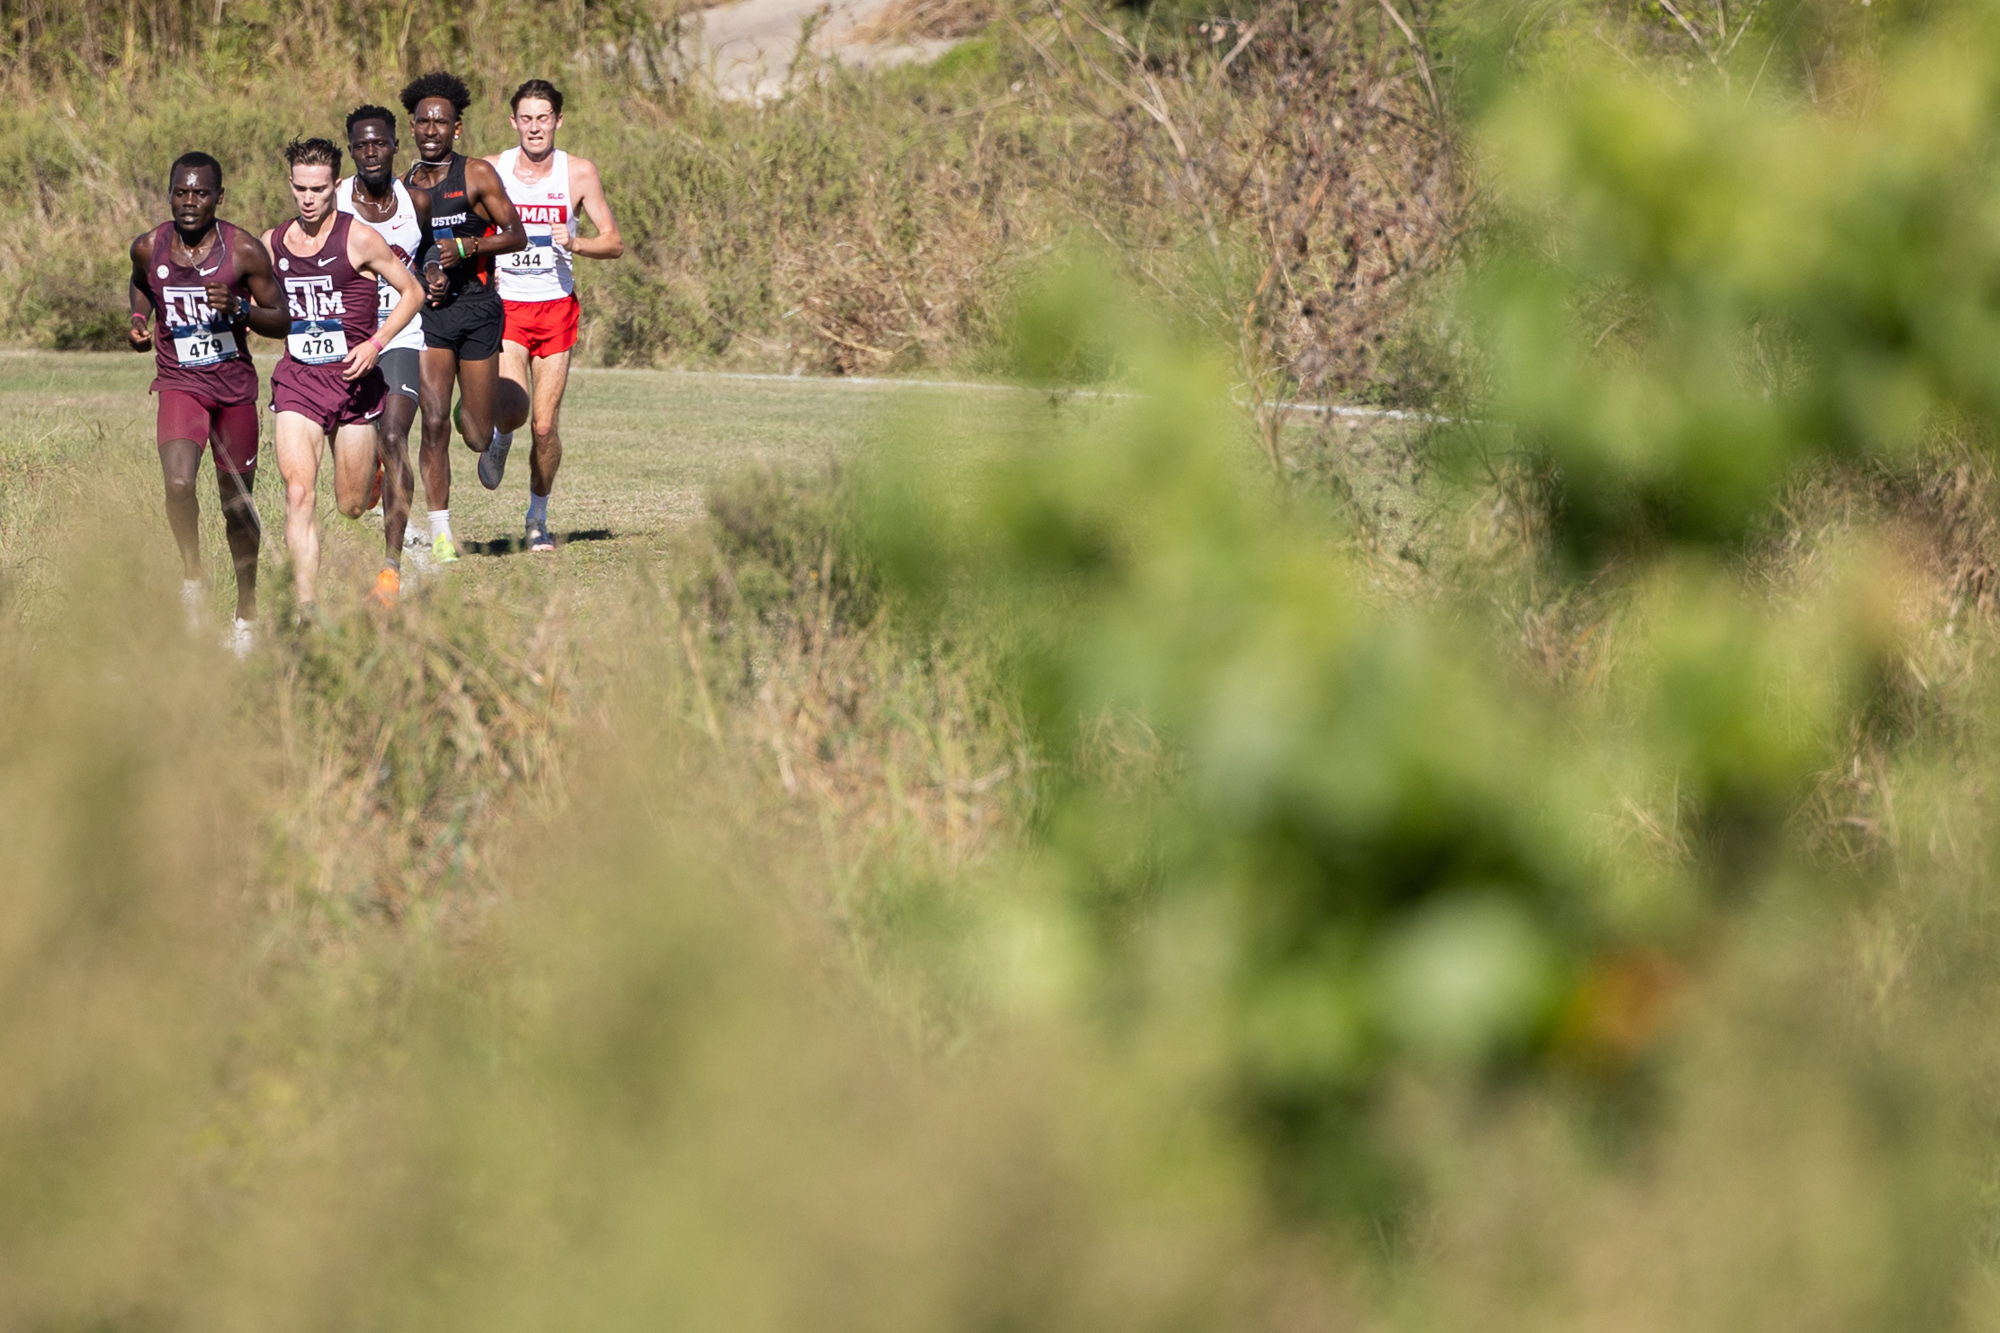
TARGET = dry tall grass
(861,223)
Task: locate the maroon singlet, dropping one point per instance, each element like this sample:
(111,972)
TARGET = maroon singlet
(217,361)
(333,307)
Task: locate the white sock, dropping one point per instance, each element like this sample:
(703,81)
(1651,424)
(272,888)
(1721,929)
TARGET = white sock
(440,523)
(538,508)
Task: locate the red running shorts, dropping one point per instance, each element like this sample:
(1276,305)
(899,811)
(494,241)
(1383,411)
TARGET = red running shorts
(229,428)
(545,328)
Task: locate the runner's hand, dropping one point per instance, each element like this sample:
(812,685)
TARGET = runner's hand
(434,282)
(220,299)
(360,360)
(560,235)
(448,252)
(140,337)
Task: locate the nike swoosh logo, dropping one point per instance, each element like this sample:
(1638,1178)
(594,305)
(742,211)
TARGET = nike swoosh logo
(209,272)
(324,262)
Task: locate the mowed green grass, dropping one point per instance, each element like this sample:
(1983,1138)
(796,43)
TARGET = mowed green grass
(641,449)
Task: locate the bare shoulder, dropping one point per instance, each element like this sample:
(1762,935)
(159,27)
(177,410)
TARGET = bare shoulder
(420,198)
(582,172)
(365,243)
(479,171)
(248,250)
(142,247)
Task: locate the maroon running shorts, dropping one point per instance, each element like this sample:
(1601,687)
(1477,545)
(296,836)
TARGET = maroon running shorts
(319,394)
(229,428)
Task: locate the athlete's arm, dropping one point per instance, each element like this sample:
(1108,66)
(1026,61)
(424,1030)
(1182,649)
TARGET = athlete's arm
(420,200)
(591,203)
(430,270)
(269,314)
(484,195)
(369,253)
(139,337)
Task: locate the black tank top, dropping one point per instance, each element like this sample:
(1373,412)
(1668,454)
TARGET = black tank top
(452,215)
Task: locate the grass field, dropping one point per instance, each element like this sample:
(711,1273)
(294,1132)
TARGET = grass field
(641,450)
(651,928)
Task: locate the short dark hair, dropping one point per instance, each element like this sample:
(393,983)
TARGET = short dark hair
(541,89)
(199,161)
(369,111)
(437,83)
(313,153)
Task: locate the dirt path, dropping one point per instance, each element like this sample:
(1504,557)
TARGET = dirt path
(747,48)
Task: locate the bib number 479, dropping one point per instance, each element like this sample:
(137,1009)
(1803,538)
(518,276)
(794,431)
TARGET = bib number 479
(202,347)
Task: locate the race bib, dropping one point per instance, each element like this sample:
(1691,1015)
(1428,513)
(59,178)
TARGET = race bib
(315,342)
(195,346)
(385,300)
(191,322)
(538,256)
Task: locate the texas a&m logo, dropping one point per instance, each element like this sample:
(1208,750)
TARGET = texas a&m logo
(314,298)
(187,307)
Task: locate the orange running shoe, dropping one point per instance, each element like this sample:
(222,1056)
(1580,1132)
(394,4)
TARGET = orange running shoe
(387,584)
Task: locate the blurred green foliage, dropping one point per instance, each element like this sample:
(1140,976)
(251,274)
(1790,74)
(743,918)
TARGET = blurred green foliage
(1358,829)
(1692,289)
(1651,995)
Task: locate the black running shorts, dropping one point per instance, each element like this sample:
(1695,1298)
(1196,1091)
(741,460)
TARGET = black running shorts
(470,326)
(399,369)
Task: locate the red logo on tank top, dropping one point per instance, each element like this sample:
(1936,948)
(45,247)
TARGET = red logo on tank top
(543,213)
(314,298)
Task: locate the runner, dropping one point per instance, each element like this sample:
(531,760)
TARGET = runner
(326,384)
(199,278)
(471,221)
(402,218)
(550,189)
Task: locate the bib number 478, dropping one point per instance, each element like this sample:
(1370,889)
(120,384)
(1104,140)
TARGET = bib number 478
(317,344)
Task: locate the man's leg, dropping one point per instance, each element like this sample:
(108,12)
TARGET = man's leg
(551,378)
(436,370)
(398,411)
(478,389)
(300,440)
(511,411)
(179,460)
(357,448)
(239,521)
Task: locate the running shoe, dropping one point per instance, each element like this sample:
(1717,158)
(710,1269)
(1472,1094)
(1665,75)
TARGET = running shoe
(238,639)
(538,536)
(387,584)
(493,463)
(443,552)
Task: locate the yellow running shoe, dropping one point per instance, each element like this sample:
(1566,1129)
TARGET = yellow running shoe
(387,584)
(443,552)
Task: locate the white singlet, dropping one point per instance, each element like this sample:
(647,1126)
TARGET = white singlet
(402,234)
(540,270)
